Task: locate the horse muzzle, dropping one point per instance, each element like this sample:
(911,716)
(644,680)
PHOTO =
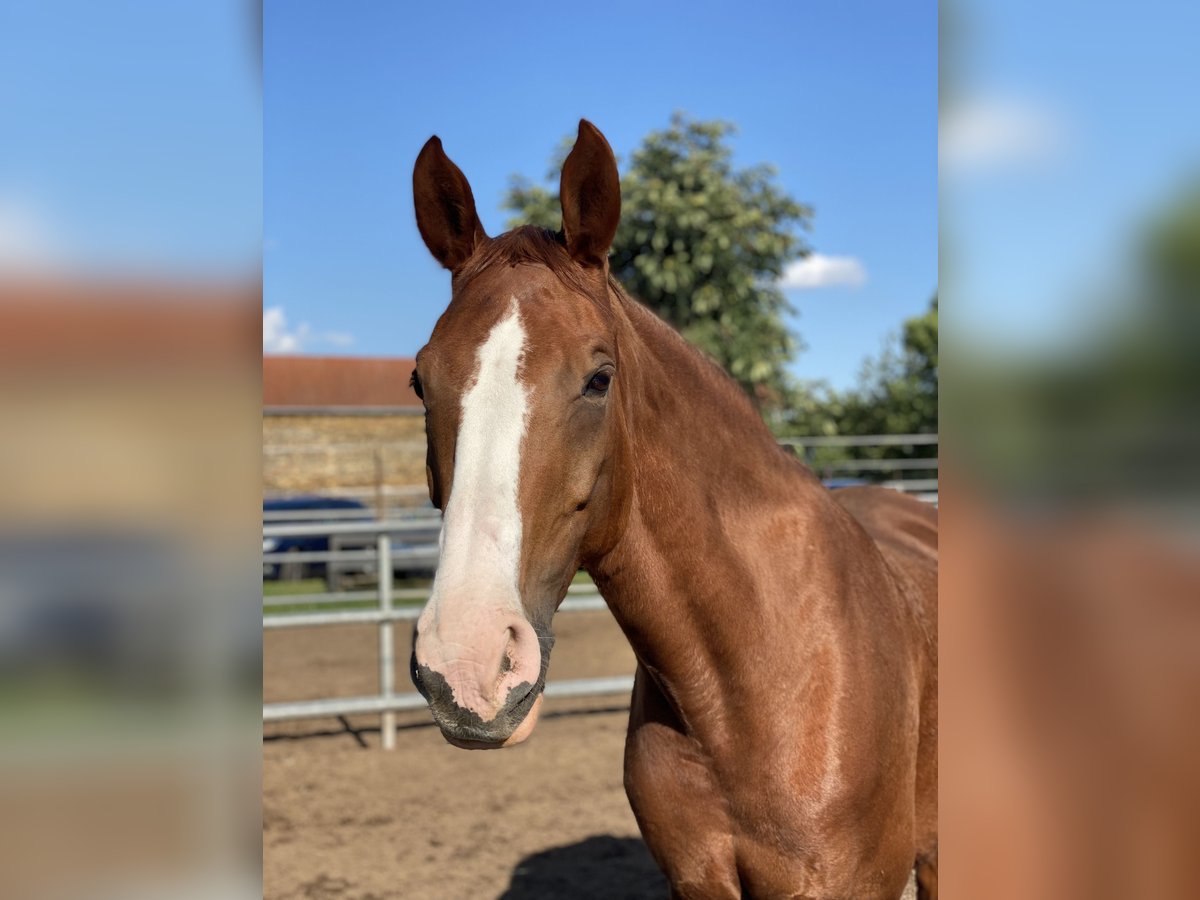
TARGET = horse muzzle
(484,687)
(512,723)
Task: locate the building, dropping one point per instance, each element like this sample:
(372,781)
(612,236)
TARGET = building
(344,425)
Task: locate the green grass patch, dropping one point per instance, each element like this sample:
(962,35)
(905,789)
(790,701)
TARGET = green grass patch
(289,588)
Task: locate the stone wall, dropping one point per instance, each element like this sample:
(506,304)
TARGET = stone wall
(315,453)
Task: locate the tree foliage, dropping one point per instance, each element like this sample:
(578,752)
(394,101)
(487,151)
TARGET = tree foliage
(703,243)
(1109,415)
(896,394)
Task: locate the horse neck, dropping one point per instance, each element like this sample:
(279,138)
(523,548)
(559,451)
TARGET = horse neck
(699,466)
(683,410)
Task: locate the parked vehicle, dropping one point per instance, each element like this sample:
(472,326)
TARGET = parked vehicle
(296,510)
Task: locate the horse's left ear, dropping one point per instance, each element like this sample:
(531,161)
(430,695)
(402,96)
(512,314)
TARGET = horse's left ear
(590,192)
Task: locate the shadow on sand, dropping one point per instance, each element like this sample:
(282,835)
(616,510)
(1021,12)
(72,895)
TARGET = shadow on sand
(600,867)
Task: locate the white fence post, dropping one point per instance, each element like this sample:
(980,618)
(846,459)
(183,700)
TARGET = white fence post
(387,643)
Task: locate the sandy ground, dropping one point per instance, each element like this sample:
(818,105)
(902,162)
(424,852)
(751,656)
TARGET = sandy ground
(343,820)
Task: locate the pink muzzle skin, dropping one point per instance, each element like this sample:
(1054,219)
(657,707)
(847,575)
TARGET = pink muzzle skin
(481,671)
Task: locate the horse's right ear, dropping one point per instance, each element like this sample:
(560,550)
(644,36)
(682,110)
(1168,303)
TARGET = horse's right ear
(445,207)
(590,190)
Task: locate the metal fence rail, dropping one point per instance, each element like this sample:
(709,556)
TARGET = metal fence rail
(421,594)
(387,703)
(862,440)
(592,603)
(374,526)
(349,706)
(384,555)
(351,514)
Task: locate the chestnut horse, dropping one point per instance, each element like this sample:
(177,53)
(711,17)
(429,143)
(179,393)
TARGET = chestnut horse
(783,733)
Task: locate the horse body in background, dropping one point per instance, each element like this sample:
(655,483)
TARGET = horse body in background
(783,731)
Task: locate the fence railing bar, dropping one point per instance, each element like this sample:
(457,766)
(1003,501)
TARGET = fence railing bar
(390,490)
(405,594)
(364,527)
(423,553)
(340,617)
(349,513)
(877,440)
(875,465)
(916,485)
(344,596)
(295,556)
(349,706)
(395,614)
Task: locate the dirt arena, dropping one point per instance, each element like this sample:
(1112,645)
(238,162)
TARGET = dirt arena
(344,820)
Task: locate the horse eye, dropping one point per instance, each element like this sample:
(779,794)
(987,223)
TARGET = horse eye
(598,386)
(415,384)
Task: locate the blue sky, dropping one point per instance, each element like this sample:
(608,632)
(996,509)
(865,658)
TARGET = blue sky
(134,137)
(1070,136)
(840,97)
(131,136)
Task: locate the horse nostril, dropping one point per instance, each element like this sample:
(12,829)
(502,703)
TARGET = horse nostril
(580,507)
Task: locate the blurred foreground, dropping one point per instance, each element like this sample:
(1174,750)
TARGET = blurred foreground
(130,478)
(1070,424)
(129,584)
(130,186)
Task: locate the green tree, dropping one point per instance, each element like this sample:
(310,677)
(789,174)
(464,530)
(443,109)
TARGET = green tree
(1111,415)
(896,394)
(902,396)
(703,243)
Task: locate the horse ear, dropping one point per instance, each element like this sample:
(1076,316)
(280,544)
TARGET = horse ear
(590,191)
(445,207)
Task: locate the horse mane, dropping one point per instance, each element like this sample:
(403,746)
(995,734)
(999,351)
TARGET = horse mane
(531,245)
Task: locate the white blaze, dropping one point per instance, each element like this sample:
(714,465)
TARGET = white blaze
(481,529)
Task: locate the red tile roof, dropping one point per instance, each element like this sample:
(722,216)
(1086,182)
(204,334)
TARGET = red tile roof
(338,382)
(103,325)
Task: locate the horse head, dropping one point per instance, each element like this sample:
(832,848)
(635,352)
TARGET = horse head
(522,392)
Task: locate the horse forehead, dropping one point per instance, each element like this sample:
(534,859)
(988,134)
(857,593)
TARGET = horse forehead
(558,322)
(555,323)
(557,319)
(459,338)
(495,349)
(552,326)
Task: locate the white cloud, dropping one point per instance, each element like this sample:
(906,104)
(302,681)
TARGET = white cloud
(819,271)
(987,133)
(279,337)
(26,241)
(276,336)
